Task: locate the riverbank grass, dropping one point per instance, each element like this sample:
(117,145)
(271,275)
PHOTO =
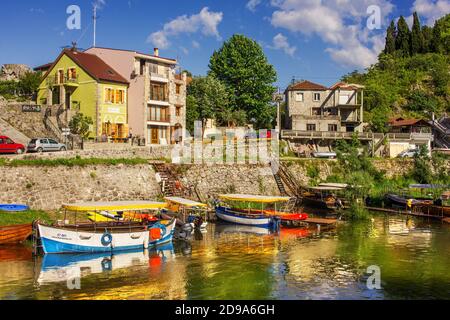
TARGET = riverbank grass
(13,218)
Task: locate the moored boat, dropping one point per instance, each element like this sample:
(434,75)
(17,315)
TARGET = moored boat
(107,236)
(264,217)
(15,233)
(192,214)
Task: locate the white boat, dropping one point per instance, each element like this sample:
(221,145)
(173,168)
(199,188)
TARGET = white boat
(105,236)
(192,213)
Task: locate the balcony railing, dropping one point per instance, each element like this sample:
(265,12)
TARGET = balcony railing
(158,118)
(62,80)
(329,135)
(159,97)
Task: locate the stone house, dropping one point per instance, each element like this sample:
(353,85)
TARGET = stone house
(156,95)
(314,107)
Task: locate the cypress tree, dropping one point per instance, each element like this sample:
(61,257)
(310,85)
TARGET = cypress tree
(417,41)
(427,33)
(390,39)
(403,40)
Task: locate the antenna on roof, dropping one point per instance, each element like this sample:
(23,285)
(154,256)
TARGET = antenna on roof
(95,24)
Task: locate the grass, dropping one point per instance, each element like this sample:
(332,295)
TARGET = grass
(12,218)
(71,162)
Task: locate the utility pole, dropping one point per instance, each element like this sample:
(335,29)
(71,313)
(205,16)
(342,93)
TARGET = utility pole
(95,24)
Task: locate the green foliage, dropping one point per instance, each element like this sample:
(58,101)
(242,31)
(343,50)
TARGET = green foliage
(207,99)
(72,162)
(80,125)
(242,66)
(417,39)
(403,39)
(13,218)
(422,171)
(390,39)
(313,172)
(26,86)
(356,212)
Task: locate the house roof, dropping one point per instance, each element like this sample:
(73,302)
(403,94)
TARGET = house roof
(307,85)
(150,56)
(93,65)
(346,86)
(400,122)
(43,67)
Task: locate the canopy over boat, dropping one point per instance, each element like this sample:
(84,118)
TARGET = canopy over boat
(184,202)
(253,198)
(114,206)
(334,185)
(428,186)
(324,188)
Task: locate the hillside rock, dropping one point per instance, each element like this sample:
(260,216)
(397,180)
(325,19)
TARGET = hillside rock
(13,72)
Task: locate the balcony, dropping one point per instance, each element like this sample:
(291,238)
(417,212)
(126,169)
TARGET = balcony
(163,118)
(157,77)
(329,135)
(59,80)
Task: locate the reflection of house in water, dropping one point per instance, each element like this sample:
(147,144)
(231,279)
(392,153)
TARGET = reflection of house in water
(407,232)
(16,264)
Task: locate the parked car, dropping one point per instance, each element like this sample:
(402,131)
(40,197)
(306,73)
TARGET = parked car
(7,145)
(45,145)
(410,153)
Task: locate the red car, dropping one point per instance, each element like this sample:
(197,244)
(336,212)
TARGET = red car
(9,146)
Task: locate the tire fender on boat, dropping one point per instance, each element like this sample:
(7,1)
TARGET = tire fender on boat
(106,239)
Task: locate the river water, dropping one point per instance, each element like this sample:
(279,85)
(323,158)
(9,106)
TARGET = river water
(236,262)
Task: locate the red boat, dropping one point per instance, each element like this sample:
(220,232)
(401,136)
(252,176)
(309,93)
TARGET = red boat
(15,234)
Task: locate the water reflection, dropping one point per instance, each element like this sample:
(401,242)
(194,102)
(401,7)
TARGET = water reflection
(238,262)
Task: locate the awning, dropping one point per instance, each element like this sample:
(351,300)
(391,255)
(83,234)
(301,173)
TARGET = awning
(114,206)
(185,202)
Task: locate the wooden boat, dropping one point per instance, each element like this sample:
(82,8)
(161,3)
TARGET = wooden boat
(402,200)
(264,218)
(326,196)
(190,212)
(105,236)
(15,233)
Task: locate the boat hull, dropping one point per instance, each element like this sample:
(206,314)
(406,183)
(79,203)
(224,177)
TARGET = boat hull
(166,236)
(228,215)
(15,234)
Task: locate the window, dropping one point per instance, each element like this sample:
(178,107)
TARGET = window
(316,97)
(178,111)
(43,141)
(141,67)
(52,141)
(2,141)
(9,141)
(120,96)
(299,96)
(332,127)
(316,111)
(72,73)
(311,127)
(114,96)
(109,97)
(178,88)
(153,68)
(158,92)
(156,113)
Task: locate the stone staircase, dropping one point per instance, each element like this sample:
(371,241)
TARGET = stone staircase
(441,129)
(287,183)
(170,182)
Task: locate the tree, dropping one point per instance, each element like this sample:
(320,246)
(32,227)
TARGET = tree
(441,35)
(403,40)
(207,96)
(80,125)
(390,39)
(417,39)
(427,33)
(242,66)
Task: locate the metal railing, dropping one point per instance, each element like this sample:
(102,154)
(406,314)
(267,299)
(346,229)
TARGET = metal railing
(58,80)
(330,135)
(160,118)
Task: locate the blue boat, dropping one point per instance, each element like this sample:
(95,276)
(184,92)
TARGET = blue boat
(256,220)
(14,207)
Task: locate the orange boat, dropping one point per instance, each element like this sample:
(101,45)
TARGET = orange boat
(15,233)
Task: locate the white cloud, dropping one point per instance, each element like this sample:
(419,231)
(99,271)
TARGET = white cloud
(99,3)
(252,4)
(195,44)
(339,23)
(280,42)
(205,21)
(431,10)
(184,50)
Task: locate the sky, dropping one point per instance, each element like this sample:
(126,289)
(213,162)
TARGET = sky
(317,40)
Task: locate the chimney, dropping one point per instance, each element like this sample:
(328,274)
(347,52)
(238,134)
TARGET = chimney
(156,52)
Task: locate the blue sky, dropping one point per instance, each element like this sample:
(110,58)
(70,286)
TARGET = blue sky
(319,40)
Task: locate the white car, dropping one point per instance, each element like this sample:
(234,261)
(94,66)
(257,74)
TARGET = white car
(410,153)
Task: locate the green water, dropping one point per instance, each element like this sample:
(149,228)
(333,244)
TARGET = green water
(231,262)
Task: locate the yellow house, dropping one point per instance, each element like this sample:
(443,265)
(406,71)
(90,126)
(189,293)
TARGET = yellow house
(82,82)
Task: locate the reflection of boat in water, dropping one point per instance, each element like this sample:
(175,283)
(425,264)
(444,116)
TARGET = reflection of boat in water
(59,268)
(236,228)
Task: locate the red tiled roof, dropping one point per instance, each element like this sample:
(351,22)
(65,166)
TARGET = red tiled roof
(93,65)
(43,67)
(307,85)
(400,122)
(343,86)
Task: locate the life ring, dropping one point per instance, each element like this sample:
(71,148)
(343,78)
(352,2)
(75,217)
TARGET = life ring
(106,264)
(106,239)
